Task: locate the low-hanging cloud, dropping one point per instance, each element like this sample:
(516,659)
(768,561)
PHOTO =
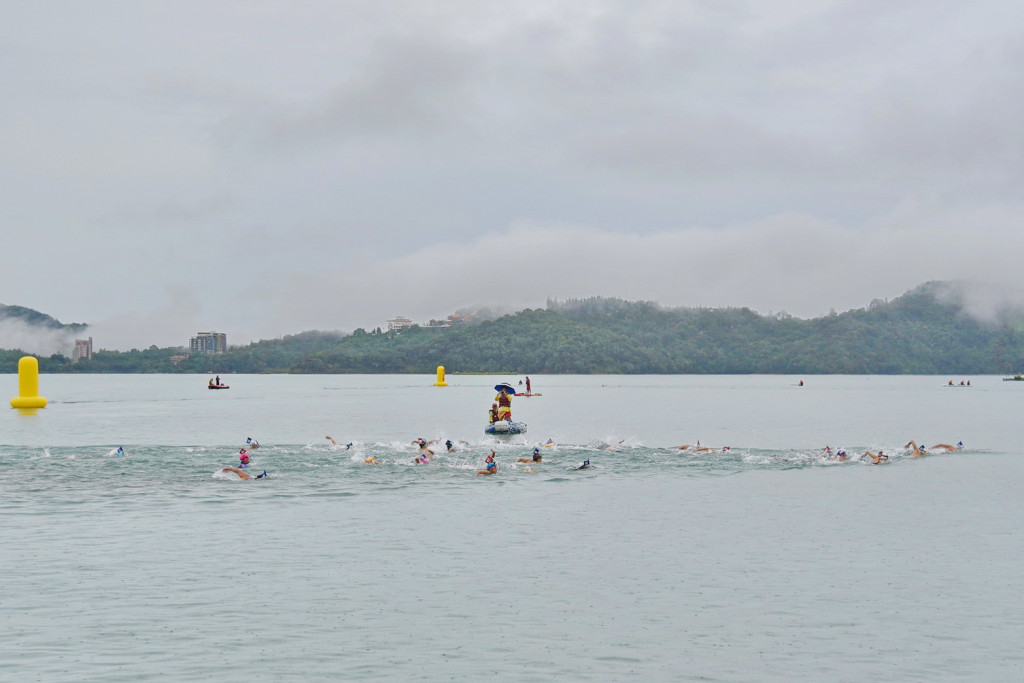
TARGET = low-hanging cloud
(36,339)
(793,263)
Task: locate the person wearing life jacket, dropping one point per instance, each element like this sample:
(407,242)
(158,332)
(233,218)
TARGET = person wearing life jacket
(504,405)
(492,414)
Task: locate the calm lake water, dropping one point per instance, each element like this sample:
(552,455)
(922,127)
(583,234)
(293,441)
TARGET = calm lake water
(765,562)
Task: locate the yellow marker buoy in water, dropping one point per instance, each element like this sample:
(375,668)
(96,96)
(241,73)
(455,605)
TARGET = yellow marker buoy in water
(28,385)
(440,377)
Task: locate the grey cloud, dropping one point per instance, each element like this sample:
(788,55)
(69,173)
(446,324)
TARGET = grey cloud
(329,165)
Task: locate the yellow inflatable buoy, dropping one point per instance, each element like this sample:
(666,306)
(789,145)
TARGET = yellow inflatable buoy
(440,377)
(28,385)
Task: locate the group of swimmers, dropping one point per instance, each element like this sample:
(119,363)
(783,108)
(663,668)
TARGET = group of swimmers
(698,448)
(425,454)
(880,457)
(840,454)
(244,460)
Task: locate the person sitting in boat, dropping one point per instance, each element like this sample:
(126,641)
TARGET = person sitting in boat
(211,381)
(492,414)
(504,405)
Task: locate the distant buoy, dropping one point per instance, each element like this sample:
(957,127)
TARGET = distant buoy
(440,377)
(28,385)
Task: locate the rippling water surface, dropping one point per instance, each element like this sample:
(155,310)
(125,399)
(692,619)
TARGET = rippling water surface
(763,562)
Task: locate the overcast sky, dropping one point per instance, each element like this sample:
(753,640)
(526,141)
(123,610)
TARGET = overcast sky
(266,168)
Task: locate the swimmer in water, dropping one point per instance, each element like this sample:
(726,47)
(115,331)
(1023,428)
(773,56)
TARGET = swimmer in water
(536,457)
(584,466)
(252,443)
(949,448)
(450,446)
(243,458)
(424,451)
(121,451)
(840,456)
(335,443)
(243,474)
(490,467)
(875,459)
(916,451)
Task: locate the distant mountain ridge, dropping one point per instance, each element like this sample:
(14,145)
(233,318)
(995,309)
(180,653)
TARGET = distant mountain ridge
(936,328)
(35,318)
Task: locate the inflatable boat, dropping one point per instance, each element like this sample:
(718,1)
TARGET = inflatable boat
(506,427)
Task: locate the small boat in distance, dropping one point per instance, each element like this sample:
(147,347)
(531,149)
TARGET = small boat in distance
(1016,378)
(215,383)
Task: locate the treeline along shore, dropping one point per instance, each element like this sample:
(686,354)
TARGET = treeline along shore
(928,330)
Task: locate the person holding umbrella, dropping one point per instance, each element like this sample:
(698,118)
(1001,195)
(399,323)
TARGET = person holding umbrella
(504,400)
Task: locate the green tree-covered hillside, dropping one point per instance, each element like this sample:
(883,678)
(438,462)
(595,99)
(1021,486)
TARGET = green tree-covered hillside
(925,331)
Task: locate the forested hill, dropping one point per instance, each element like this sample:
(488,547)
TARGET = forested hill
(33,318)
(925,331)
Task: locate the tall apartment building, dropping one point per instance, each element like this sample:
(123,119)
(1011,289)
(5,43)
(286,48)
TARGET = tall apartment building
(208,342)
(83,349)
